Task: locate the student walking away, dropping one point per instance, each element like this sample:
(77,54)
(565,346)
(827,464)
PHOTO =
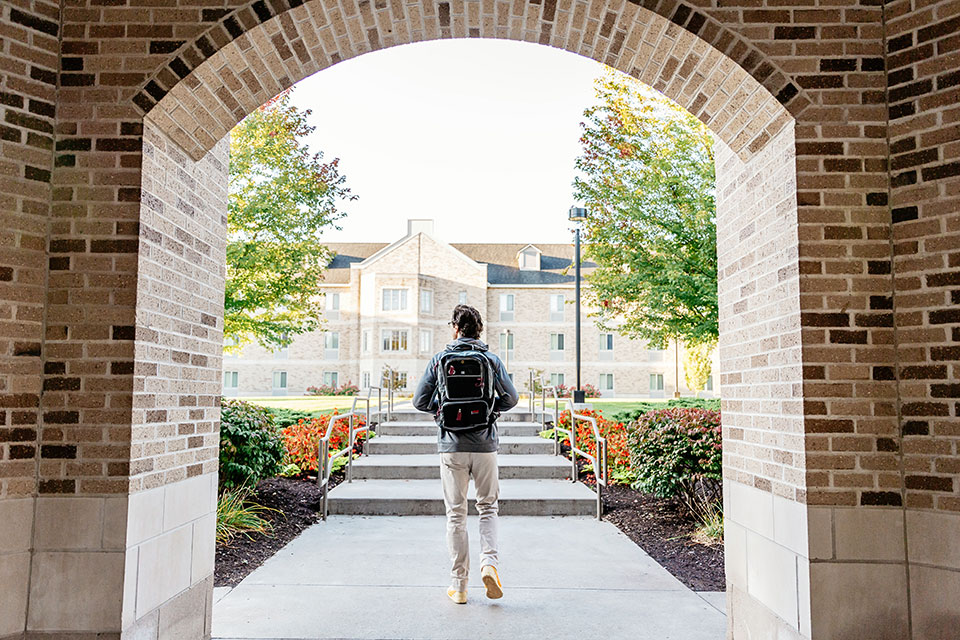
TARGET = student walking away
(466,387)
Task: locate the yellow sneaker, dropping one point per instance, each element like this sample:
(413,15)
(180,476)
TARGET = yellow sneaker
(459,597)
(491,580)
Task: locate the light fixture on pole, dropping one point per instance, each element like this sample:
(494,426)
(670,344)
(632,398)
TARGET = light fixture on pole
(577,215)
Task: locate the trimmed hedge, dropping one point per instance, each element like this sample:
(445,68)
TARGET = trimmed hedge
(709,404)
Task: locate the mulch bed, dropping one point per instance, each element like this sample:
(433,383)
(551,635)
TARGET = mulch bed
(297,501)
(661,529)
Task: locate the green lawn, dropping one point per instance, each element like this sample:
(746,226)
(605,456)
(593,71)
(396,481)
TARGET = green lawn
(610,406)
(305,403)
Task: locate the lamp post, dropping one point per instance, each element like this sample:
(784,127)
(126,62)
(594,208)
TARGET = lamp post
(577,215)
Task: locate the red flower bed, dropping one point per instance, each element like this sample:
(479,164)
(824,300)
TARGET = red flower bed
(302,439)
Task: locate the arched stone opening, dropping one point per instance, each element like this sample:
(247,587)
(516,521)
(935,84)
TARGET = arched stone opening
(757,211)
(107,388)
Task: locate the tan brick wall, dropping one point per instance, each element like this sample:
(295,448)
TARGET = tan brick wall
(877,418)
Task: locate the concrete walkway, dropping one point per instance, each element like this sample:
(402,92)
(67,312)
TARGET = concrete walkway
(385,577)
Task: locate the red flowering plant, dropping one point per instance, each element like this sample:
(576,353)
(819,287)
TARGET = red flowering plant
(302,439)
(615,433)
(678,453)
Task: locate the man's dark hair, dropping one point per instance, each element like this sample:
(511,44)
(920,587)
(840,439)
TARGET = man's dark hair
(467,320)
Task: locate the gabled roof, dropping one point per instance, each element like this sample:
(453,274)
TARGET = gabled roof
(501,258)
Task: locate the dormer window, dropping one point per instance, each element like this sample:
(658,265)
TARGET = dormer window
(528,258)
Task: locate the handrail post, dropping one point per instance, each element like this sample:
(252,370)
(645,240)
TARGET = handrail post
(350,447)
(573,440)
(322,472)
(531,393)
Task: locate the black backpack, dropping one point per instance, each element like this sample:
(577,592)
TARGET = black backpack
(465,389)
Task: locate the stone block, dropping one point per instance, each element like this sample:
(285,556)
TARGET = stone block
(184,615)
(869,534)
(163,569)
(933,602)
(850,601)
(204,547)
(144,515)
(76,591)
(69,523)
(186,501)
(772,577)
(16,523)
(820,533)
(932,538)
(14,576)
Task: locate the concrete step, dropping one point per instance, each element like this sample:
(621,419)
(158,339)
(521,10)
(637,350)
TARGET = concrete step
(425,498)
(427,466)
(409,428)
(407,445)
(412,415)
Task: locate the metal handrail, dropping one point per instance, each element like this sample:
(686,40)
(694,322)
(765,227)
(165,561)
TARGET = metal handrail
(324,459)
(600,468)
(379,404)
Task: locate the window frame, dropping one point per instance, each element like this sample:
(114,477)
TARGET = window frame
(402,298)
(402,336)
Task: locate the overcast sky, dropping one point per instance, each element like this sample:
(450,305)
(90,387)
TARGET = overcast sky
(480,135)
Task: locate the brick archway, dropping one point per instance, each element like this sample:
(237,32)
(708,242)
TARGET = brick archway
(840,428)
(214,81)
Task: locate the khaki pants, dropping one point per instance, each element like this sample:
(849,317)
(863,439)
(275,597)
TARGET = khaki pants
(455,472)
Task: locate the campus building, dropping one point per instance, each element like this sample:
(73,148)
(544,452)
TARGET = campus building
(387,308)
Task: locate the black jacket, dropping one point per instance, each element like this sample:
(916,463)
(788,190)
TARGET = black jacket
(476,440)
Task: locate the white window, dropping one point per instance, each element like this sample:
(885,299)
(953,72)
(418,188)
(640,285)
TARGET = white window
(332,306)
(556,379)
(279,383)
(606,382)
(331,378)
(529,259)
(426,341)
(506,307)
(394,340)
(655,355)
(331,340)
(282,353)
(656,382)
(606,346)
(233,353)
(462,299)
(556,346)
(365,377)
(231,379)
(394,299)
(426,301)
(709,385)
(506,345)
(556,307)
(366,341)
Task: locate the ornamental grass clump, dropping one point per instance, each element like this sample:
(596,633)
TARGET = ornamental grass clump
(678,453)
(251,447)
(236,515)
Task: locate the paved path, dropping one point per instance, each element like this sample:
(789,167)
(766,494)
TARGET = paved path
(385,577)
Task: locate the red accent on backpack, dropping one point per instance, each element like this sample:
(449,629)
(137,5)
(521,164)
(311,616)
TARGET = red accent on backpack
(459,414)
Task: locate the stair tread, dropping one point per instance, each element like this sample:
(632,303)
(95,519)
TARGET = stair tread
(433,438)
(433,459)
(510,489)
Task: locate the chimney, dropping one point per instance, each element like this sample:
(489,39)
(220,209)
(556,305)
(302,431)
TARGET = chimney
(419,225)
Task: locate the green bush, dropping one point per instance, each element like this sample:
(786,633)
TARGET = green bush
(251,446)
(678,453)
(709,404)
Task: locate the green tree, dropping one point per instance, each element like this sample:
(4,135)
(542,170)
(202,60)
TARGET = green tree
(282,197)
(697,362)
(647,178)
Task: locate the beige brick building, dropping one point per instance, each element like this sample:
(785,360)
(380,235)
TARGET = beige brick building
(387,306)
